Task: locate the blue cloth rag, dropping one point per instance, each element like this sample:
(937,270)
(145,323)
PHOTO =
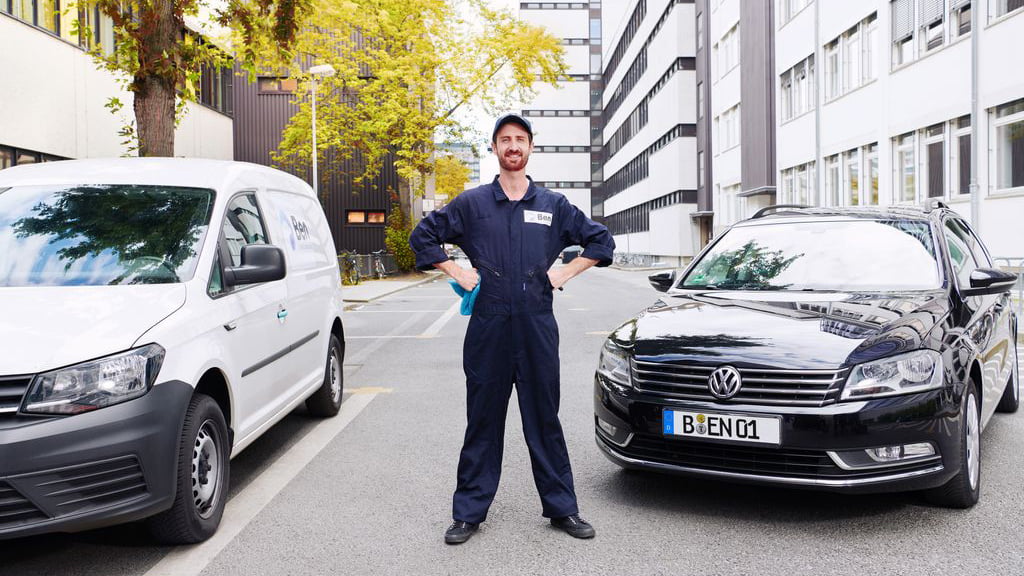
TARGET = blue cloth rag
(468,298)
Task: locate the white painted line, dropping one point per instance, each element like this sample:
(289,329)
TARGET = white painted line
(364,353)
(435,328)
(240,510)
(399,337)
(391,311)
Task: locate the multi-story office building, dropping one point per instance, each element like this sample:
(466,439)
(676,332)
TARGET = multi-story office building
(650,130)
(736,111)
(874,107)
(567,119)
(53,101)
(469,155)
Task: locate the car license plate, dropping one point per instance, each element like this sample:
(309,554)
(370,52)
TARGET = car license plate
(714,426)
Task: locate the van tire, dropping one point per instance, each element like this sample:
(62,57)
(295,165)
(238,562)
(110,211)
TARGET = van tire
(194,516)
(326,401)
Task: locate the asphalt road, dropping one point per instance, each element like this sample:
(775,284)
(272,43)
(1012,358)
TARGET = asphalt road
(376,498)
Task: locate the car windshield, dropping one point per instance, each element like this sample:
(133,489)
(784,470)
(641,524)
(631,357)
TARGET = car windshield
(100,234)
(859,255)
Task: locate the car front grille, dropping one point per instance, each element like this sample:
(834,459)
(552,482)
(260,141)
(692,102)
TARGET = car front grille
(12,389)
(15,509)
(759,386)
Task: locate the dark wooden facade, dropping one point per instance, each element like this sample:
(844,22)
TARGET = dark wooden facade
(259,121)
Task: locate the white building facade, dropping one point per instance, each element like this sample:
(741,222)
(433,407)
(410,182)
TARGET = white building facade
(649,135)
(53,103)
(566,119)
(874,107)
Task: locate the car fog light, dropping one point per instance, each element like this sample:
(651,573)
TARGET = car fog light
(608,428)
(900,452)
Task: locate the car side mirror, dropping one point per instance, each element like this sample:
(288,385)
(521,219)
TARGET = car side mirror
(260,263)
(989,281)
(662,281)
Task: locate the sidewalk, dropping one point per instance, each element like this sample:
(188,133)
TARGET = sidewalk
(370,290)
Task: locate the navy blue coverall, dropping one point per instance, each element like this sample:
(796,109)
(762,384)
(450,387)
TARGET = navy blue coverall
(512,335)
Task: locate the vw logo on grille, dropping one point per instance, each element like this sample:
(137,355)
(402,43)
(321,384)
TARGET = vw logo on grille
(724,382)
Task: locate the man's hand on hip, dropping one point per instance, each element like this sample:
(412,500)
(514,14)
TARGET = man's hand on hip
(559,276)
(468,279)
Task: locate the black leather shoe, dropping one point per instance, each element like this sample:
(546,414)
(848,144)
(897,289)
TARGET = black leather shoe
(459,532)
(574,526)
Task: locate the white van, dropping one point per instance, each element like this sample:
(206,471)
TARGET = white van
(158,315)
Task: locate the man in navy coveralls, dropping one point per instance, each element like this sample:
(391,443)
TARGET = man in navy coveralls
(512,231)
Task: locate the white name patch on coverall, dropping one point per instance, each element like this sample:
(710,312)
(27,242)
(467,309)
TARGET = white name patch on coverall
(535,217)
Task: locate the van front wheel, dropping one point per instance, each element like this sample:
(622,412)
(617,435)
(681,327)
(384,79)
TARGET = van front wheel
(202,477)
(326,401)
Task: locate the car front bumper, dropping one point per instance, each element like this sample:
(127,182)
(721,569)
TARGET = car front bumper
(73,473)
(628,428)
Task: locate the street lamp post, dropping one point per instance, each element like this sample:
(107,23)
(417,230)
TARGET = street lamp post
(324,70)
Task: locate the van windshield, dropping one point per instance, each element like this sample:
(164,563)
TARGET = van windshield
(92,235)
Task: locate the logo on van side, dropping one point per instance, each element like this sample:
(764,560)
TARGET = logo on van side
(301,229)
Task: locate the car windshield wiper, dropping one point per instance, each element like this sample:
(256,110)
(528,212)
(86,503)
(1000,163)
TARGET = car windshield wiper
(699,287)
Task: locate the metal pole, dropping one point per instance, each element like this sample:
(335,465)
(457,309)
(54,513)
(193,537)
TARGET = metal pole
(975,120)
(316,183)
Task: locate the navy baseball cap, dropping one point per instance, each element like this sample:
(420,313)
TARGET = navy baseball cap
(515,118)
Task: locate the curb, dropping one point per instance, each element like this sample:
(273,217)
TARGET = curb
(431,276)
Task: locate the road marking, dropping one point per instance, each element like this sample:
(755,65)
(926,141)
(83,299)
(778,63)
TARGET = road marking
(438,324)
(393,311)
(370,390)
(389,337)
(243,508)
(361,356)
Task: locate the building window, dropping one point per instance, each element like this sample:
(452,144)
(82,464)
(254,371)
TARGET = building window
(1009,145)
(6,157)
(730,127)
(274,85)
(849,59)
(700,99)
(1007,6)
(932,18)
(960,147)
(906,189)
(832,181)
(797,89)
(700,30)
(851,177)
(797,183)
(595,29)
(364,217)
(934,157)
(902,31)
(871,167)
(961,17)
(700,170)
(790,8)
(729,51)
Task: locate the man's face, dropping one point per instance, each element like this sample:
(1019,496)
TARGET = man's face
(512,145)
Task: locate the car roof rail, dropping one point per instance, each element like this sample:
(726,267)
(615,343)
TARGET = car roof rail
(774,207)
(935,204)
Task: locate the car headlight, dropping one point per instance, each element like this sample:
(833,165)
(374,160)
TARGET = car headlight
(95,384)
(614,364)
(904,374)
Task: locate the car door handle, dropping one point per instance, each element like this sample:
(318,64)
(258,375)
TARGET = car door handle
(230,326)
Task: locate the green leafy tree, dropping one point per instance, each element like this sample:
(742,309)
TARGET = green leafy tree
(450,176)
(404,70)
(160,62)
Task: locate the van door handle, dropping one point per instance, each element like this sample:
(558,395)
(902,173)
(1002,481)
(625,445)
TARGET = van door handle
(230,326)
(282,314)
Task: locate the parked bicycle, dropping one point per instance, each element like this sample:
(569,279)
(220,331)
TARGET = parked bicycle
(377,266)
(350,275)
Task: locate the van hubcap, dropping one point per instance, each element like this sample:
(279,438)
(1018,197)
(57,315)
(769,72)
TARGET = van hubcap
(335,376)
(973,442)
(205,470)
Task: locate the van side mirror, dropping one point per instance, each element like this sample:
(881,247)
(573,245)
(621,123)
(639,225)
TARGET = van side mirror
(989,281)
(662,281)
(260,263)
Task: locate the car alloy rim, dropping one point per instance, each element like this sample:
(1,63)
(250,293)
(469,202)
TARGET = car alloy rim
(205,470)
(973,442)
(335,375)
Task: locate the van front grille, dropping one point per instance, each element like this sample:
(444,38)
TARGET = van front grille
(12,390)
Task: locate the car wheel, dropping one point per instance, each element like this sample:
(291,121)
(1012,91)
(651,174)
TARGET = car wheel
(1011,395)
(202,477)
(962,490)
(326,401)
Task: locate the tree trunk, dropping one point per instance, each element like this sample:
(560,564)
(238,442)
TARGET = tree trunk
(155,83)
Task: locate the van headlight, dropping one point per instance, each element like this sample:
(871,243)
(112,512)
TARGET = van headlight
(95,384)
(614,364)
(904,374)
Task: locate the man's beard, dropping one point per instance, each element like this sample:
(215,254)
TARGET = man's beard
(512,163)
